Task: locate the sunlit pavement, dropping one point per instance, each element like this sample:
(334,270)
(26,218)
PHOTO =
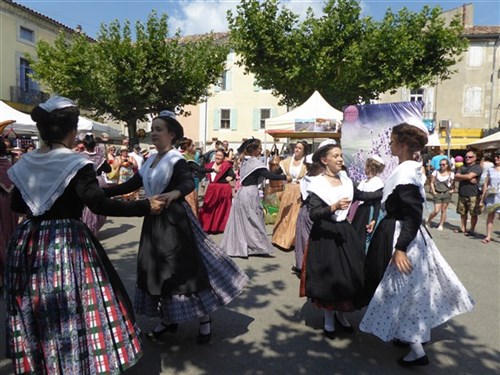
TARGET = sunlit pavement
(269,329)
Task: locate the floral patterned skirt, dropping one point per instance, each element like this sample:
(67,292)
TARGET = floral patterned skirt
(67,310)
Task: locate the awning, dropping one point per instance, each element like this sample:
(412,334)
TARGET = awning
(456,143)
(460,137)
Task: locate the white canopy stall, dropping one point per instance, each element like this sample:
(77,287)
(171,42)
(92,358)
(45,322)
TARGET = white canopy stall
(23,124)
(315,118)
(312,109)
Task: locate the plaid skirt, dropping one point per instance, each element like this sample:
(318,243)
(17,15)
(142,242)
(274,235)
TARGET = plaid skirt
(67,310)
(227,281)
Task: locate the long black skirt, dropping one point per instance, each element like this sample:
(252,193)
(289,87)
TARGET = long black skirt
(361,219)
(169,261)
(334,265)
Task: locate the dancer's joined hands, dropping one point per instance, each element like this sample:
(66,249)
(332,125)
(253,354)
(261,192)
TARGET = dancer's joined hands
(162,201)
(157,204)
(169,197)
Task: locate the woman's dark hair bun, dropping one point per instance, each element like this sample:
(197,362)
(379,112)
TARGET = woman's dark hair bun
(40,115)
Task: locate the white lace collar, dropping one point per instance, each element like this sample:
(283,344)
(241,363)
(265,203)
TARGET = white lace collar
(42,177)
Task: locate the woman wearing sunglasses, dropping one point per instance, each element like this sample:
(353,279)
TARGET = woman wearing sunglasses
(441,189)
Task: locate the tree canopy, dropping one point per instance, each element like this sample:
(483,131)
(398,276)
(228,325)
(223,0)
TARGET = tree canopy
(348,58)
(127,78)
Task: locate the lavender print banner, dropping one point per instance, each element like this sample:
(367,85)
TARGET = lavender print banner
(366,130)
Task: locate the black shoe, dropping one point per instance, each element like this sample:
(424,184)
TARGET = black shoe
(156,333)
(422,361)
(204,339)
(329,334)
(348,329)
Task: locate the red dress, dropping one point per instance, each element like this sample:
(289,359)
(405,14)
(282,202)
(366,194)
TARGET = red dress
(217,201)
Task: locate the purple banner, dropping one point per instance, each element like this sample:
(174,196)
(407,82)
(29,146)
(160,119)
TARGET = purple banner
(366,130)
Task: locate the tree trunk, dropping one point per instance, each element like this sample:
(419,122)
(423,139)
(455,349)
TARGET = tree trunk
(132,133)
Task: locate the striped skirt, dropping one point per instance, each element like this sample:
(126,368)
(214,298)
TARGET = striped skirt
(67,310)
(227,281)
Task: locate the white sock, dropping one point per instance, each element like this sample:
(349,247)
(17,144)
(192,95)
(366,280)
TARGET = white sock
(204,326)
(329,325)
(342,319)
(417,351)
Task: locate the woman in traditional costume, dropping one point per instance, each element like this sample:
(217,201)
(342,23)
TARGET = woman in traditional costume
(413,288)
(187,149)
(304,223)
(245,232)
(219,194)
(368,212)
(181,273)
(286,221)
(67,309)
(93,221)
(335,257)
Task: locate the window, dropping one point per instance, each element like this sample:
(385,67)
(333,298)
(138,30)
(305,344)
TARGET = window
(25,81)
(264,113)
(475,57)
(473,103)
(417,95)
(225,119)
(27,34)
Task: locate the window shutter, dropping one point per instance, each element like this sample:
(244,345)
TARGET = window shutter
(233,117)
(475,57)
(405,95)
(217,119)
(473,100)
(256,119)
(229,80)
(256,87)
(217,86)
(274,111)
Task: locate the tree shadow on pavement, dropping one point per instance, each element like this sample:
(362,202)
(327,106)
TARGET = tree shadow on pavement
(112,231)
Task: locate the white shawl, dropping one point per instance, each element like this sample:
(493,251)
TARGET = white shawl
(370,185)
(156,179)
(249,165)
(407,173)
(42,177)
(330,195)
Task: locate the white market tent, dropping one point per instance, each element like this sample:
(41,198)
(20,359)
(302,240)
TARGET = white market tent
(313,108)
(433,140)
(490,142)
(23,124)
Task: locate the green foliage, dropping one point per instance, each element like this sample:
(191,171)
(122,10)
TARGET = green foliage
(127,78)
(348,58)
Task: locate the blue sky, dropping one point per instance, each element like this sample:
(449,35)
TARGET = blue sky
(201,16)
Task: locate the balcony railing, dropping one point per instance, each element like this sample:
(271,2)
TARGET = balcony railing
(26,96)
